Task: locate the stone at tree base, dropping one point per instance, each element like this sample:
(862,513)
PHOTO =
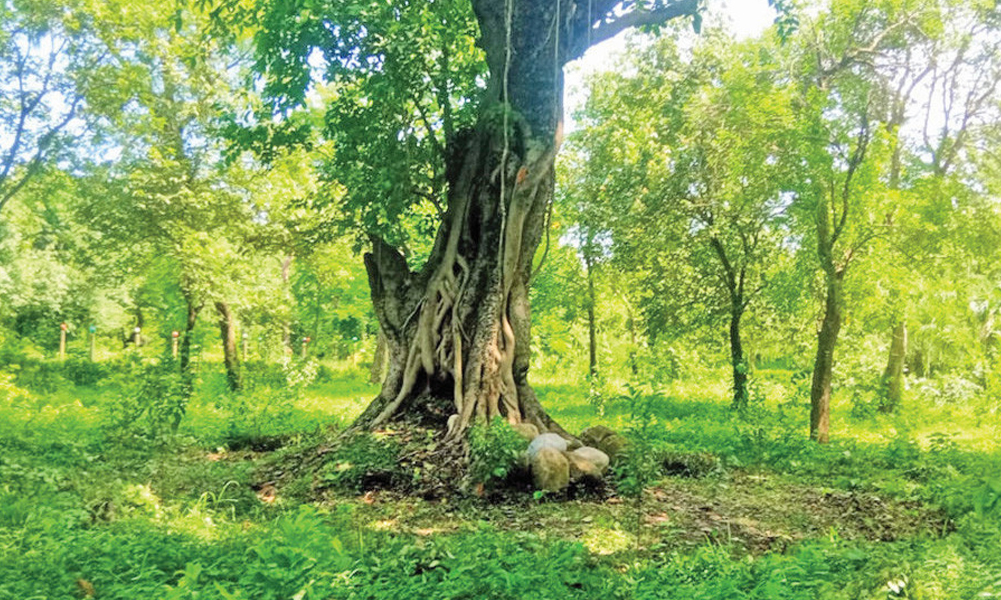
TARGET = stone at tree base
(546,440)
(526,430)
(594,456)
(550,470)
(604,439)
(581,468)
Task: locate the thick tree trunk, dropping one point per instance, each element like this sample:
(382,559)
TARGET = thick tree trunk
(458,328)
(227,330)
(823,366)
(893,377)
(737,360)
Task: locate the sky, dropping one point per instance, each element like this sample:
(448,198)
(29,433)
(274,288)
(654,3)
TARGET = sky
(745,18)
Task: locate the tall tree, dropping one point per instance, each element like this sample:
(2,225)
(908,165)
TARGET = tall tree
(458,327)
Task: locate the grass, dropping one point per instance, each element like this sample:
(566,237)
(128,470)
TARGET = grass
(896,507)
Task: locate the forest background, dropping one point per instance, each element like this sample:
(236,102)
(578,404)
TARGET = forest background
(754,242)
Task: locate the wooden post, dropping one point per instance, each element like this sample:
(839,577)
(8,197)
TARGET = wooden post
(138,338)
(92,330)
(245,337)
(173,343)
(62,341)
(305,342)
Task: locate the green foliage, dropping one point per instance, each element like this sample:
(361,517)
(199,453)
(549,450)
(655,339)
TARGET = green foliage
(495,450)
(152,400)
(640,465)
(267,403)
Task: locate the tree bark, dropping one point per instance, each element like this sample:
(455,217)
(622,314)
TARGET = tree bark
(737,360)
(823,366)
(458,329)
(189,330)
(893,377)
(378,368)
(227,330)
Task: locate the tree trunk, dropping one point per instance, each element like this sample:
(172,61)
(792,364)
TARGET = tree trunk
(378,368)
(227,330)
(631,325)
(592,336)
(189,330)
(893,377)
(740,394)
(458,328)
(823,366)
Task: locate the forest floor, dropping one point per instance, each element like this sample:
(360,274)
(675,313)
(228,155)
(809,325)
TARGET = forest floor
(767,515)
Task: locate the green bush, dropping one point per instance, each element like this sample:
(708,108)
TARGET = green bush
(81,371)
(494,450)
(152,400)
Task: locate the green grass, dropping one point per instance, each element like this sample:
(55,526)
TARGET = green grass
(899,506)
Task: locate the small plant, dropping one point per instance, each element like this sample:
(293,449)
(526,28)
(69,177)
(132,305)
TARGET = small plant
(639,465)
(81,371)
(866,401)
(987,497)
(596,395)
(494,449)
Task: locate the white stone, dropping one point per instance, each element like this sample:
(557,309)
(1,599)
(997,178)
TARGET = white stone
(546,440)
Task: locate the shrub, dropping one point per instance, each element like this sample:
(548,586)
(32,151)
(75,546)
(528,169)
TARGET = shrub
(495,449)
(153,400)
(82,371)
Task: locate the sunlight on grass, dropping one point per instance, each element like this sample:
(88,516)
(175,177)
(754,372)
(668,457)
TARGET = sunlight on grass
(606,540)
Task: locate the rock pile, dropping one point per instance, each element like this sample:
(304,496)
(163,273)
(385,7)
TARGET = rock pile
(555,465)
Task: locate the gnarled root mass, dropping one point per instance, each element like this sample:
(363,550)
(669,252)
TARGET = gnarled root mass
(459,327)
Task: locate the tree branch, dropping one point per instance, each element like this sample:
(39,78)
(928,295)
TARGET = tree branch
(591,35)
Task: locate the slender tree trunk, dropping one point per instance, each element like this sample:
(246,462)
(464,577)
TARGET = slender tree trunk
(592,336)
(893,377)
(189,331)
(227,330)
(187,377)
(737,360)
(631,325)
(823,366)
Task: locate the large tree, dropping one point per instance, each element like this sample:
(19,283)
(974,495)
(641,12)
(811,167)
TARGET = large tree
(458,326)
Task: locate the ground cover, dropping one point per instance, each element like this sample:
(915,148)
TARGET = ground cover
(733,507)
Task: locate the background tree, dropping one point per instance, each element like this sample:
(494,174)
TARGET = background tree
(703,182)
(48,57)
